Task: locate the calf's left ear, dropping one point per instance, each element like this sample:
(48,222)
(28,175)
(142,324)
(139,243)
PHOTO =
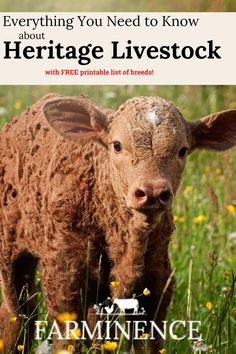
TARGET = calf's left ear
(216,131)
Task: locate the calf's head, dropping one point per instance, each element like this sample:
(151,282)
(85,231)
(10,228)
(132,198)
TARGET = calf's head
(147,141)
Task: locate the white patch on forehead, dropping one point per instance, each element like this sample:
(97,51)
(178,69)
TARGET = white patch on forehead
(153,118)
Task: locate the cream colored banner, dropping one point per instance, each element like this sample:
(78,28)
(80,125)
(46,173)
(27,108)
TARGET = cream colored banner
(117,48)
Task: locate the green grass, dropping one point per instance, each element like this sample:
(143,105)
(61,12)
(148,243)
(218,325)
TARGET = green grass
(200,253)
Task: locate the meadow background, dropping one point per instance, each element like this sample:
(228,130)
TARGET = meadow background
(203,247)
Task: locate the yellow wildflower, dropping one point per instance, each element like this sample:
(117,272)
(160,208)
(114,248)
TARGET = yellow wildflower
(1,344)
(110,346)
(144,336)
(18,104)
(13,319)
(211,349)
(75,334)
(188,189)
(67,316)
(146,292)
(163,351)
(199,219)
(115,283)
(231,208)
(179,219)
(70,349)
(218,172)
(206,169)
(209,305)
(20,348)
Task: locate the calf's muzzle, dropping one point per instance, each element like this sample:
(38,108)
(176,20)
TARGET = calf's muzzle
(156,195)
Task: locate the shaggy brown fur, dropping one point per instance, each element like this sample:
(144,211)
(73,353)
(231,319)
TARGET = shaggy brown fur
(82,210)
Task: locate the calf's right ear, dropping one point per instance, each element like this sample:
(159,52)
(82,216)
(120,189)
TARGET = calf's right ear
(76,117)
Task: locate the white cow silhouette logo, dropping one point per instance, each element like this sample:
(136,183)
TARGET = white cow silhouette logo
(122,305)
(127,304)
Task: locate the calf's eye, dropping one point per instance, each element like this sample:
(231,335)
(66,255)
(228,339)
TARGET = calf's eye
(117,146)
(183,153)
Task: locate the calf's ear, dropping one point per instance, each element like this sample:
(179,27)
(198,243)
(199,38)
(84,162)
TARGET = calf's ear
(76,117)
(216,131)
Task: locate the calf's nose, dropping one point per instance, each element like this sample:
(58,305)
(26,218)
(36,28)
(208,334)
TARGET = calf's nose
(151,195)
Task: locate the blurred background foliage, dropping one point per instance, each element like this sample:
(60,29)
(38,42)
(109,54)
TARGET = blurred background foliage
(121,5)
(194,101)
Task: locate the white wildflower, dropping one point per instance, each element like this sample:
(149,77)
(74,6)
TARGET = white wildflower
(232,237)
(110,95)
(199,346)
(44,348)
(2,111)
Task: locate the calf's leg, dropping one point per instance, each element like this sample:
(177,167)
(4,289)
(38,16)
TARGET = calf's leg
(19,301)
(61,278)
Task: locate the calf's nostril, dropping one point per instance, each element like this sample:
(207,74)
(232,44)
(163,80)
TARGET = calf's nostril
(139,193)
(164,196)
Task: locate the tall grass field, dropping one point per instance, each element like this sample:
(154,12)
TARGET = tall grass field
(203,247)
